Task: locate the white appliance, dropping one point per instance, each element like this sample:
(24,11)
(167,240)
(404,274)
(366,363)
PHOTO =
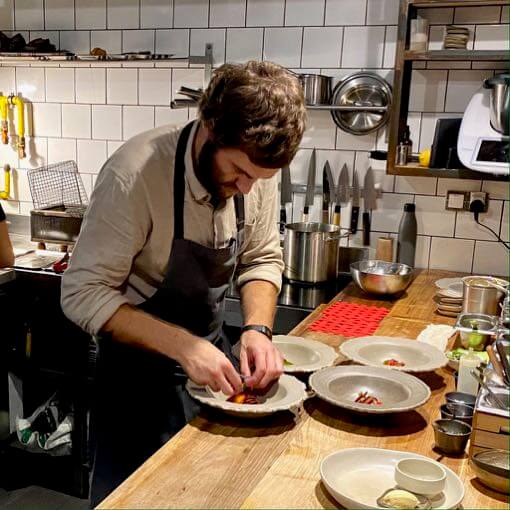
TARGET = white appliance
(479,146)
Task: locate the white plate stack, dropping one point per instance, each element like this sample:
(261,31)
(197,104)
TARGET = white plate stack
(448,297)
(456,38)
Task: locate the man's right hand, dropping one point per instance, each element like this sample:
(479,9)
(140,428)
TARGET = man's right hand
(205,364)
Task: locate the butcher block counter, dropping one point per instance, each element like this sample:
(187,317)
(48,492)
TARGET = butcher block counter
(219,461)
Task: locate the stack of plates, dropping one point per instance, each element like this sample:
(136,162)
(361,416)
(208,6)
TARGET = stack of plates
(448,296)
(456,38)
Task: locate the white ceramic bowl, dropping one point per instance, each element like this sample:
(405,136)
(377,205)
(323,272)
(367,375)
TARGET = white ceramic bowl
(420,476)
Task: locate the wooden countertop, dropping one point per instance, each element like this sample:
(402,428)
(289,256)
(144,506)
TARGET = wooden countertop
(222,462)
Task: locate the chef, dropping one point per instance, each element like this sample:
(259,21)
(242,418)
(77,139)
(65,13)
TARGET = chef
(177,213)
(6,252)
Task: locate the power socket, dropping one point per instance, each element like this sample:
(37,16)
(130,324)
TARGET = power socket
(462,200)
(479,196)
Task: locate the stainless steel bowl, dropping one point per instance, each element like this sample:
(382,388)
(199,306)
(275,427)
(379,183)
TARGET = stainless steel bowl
(451,436)
(492,469)
(455,411)
(383,278)
(457,397)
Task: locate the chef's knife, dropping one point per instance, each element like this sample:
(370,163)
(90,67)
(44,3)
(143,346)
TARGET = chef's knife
(355,202)
(310,186)
(285,196)
(342,194)
(327,191)
(369,204)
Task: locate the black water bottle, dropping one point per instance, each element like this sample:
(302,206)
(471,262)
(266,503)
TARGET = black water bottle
(407,232)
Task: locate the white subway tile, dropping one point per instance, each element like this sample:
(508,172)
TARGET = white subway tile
(390,208)
(112,147)
(467,228)
(137,40)
(416,185)
(322,46)
(20,186)
(86,180)
(47,119)
(75,41)
(108,40)
(59,14)
(497,189)
(265,13)
(461,87)
(165,115)
(200,37)
(193,78)
(421,258)
(363,47)
(347,141)
(60,85)
(155,86)
(489,14)
(432,218)
(76,120)
(137,119)
(90,85)
(52,35)
(7,15)
(491,259)
(227,13)
(173,41)
(37,153)
(122,86)
(320,131)
(283,46)
(106,122)
(504,232)
(451,254)
(61,149)
(29,14)
(505,17)
(91,156)
(90,14)
(345,12)
(156,13)
(382,12)
(304,13)
(30,83)
(437,16)
(10,206)
(386,182)
(9,154)
(123,14)
(244,44)
(191,13)
(428,89)
(7,81)
(492,37)
(390,47)
(445,185)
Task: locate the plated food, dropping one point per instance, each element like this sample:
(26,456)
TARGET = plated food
(303,355)
(395,353)
(286,394)
(368,389)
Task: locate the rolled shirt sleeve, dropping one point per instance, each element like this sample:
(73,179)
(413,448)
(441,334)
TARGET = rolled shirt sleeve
(114,230)
(261,257)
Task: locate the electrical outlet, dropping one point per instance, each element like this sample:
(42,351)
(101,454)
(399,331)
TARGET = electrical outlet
(480,196)
(462,200)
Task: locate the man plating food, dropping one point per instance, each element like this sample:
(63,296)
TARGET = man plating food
(176,212)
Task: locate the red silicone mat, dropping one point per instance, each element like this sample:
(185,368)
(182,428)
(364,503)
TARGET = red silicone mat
(349,319)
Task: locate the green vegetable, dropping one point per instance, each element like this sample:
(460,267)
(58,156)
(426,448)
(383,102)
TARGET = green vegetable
(456,354)
(287,363)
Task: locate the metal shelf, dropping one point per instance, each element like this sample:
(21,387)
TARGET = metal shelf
(447,173)
(459,55)
(331,107)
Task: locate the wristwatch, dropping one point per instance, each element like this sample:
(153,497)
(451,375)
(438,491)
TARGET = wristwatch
(260,328)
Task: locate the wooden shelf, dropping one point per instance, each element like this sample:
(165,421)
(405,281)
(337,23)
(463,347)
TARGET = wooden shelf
(424,4)
(415,170)
(460,55)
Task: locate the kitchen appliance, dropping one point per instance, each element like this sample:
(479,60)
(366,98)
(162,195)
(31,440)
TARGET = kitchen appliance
(483,138)
(310,252)
(328,186)
(355,202)
(285,196)
(310,185)
(369,204)
(342,194)
(316,88)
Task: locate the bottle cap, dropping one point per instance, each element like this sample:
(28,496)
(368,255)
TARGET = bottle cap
(409,207)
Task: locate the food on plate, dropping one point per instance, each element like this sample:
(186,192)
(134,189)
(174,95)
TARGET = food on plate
(456,354)
(364,398)
(245,397)
(393,363)
(397,498)
(287,363)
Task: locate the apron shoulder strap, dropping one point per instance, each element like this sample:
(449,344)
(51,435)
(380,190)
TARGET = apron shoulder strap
(239,207)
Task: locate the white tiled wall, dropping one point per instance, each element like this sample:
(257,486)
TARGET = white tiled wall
(85,112)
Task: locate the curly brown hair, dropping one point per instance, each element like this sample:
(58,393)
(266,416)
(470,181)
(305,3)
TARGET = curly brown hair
(257,107)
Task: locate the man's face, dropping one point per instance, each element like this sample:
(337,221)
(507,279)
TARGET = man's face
(224,172)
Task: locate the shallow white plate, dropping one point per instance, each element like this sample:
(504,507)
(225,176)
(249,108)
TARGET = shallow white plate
(305,355)
(397,391)
(374,350)
(453,287)
(287,394)
(356,477)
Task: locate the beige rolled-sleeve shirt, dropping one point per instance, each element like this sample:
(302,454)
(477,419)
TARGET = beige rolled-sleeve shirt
(123,250)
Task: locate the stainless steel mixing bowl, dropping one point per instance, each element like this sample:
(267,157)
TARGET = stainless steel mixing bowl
(383,278)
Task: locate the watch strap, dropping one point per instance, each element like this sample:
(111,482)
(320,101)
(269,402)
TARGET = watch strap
(260,328)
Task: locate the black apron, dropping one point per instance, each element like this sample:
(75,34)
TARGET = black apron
(141,401)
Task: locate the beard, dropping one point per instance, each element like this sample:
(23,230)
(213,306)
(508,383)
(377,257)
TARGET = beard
(210,176)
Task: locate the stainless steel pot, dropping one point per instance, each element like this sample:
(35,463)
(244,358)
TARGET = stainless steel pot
(316,88)
(500,102)
(479,296)
(310,252)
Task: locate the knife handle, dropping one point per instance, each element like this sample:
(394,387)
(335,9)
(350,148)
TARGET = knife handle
(336,216)
(354,219)
(325,216)
(305,214)
(283,220)
(366,228)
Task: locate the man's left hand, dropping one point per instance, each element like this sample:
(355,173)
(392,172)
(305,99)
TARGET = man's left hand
(259,353)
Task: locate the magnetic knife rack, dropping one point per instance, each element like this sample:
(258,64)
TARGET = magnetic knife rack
(302,189)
